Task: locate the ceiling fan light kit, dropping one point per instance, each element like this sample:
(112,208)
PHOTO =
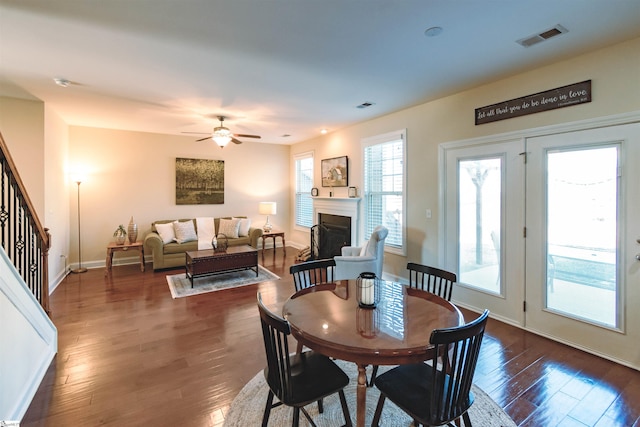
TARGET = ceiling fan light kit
(222,135)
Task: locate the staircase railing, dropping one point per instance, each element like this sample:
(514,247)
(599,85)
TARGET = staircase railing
(23,238)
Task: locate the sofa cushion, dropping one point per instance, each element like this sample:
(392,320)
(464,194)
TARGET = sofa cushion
(229,227)
(166,232)
(185,231)
(245,224)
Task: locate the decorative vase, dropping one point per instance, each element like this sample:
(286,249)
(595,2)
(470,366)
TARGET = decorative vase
(120,238)
(132,231)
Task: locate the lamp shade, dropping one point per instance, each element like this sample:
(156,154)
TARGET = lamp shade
(267,208)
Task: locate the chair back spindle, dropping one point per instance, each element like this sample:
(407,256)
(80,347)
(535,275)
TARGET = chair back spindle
(431,279)
(297,379)
(310,273)
(453,365)
(439,392)
(275,331)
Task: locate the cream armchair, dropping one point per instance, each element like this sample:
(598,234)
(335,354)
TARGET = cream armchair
(370,257)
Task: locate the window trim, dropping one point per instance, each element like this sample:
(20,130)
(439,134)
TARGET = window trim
(380,139)
(296,158)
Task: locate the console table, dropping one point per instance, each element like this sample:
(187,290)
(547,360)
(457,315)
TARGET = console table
(114,247)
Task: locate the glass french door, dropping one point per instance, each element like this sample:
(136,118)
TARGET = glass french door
(582,223)
(484,223)
(544,232)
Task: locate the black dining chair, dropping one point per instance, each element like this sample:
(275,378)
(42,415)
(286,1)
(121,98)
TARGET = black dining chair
(437,393)
(297,379)
(310,273)
(431,279)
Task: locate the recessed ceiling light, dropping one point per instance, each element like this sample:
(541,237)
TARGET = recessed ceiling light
(433,31)
(323,131)
(61,82)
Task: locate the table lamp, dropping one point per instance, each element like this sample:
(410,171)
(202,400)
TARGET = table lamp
(267,208)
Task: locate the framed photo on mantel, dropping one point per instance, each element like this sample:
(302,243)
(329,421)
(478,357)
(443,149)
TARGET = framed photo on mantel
(335,172)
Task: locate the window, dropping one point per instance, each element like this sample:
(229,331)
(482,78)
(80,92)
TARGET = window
(304,183)
(384,183)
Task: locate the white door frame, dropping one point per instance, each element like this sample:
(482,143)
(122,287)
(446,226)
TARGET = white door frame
(627,118)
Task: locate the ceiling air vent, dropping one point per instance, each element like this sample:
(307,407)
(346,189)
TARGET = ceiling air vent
(366,105)
(544,35)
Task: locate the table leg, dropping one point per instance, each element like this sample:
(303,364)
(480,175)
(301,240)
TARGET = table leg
(142,259)
(284,246)
(361,393)
(109,261)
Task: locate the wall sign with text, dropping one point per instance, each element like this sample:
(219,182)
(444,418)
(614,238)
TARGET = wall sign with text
(565,96)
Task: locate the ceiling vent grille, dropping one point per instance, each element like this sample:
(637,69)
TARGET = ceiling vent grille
(544,35)
(365,105)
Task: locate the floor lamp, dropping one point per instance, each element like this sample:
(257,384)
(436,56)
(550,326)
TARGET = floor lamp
(80,268)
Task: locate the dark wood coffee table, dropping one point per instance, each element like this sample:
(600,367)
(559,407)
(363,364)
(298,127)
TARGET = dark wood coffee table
(208,262)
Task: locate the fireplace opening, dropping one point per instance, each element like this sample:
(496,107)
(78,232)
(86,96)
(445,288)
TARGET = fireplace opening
(330,235)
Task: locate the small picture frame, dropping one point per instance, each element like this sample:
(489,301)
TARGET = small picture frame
(314,192)
(335,172)
(353,192)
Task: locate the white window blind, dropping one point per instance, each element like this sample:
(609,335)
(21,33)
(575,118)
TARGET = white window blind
(384,183)
(304,183)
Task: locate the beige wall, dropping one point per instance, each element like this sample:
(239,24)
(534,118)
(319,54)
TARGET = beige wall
(615,75)
(56,193)
(37,139)
(22,127)
(133,174)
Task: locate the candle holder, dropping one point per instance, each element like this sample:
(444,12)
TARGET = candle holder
(367,322)
(367,290)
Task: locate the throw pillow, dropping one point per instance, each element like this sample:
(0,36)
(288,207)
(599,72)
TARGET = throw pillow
(229,227)
(245,224)
(365,246)
(185,231)
(166,232)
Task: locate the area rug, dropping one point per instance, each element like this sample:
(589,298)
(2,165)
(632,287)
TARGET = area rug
(180,286)
(248,407)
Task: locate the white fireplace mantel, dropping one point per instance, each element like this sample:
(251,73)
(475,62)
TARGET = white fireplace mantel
(344,206)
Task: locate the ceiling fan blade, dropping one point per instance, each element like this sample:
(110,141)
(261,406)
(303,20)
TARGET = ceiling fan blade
(203,139)
(241,135)
(196,133)
(236,141)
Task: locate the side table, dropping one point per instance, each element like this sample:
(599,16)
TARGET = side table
(273,234)
(113,247)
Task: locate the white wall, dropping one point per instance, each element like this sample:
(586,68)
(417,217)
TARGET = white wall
(28,340)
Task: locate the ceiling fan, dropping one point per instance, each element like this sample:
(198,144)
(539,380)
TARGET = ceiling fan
(222,135)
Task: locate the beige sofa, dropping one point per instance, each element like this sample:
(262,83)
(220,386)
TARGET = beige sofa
(171,255)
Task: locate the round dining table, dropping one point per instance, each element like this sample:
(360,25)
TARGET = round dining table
(327,318)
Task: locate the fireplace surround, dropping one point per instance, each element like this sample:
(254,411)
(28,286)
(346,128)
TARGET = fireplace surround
(336,209)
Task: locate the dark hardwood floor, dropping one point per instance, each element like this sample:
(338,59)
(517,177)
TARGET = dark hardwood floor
(130,355)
